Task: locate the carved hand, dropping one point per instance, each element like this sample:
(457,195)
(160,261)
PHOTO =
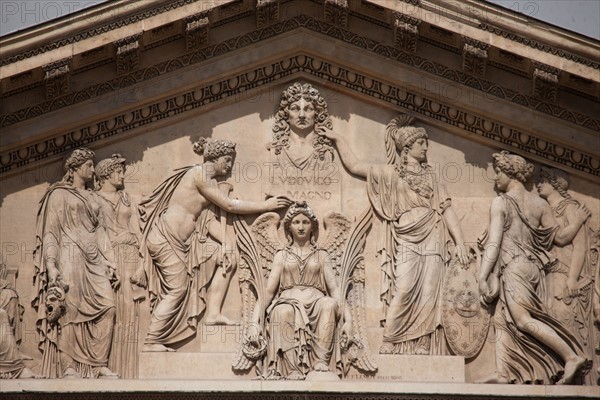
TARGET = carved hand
(582,213)
(114,279)
(328,133)
(463,253)
(348,332)
(53,273)
(139,278)
(253,334)
(571,289)
(278,202)
(485,297)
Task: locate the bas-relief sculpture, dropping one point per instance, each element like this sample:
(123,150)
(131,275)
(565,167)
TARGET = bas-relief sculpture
(303,299)
(11,315)
(419,226)
(119,219)
(531,346)
(184,245)
(570,280)
(302,158)
(71,260)
(310,308)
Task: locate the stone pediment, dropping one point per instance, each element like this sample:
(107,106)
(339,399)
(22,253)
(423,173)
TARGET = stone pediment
(161,92)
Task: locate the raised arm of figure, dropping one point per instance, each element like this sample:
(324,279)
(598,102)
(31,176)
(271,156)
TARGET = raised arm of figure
(349,159)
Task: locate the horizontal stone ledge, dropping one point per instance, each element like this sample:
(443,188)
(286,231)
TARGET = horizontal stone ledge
(345,386)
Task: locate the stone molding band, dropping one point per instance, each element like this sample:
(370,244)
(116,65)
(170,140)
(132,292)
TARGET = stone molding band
(492,132)
(330,30)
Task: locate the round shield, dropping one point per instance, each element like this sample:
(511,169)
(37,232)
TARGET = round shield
(465,320)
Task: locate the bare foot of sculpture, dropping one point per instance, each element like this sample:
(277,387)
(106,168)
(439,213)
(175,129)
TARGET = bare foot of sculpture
(104,372)
(386,348)
(219,319)
(156,348)
(496,377)
(321,366)
(295,376)
(573,365)
(70,373)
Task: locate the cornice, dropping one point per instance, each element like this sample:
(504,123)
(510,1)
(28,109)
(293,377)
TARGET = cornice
(477,126)
(302,21)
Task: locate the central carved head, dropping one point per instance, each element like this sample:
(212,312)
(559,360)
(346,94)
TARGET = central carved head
(302,110)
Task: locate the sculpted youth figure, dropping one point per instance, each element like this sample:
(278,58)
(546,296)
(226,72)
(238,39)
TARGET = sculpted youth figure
(570,280)
(182,238)
(419,224)
(69,258)
(119,218)
(301,303)
(531,345)
(296,139)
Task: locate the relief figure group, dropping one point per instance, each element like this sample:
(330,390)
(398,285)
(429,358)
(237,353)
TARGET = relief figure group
(101,254)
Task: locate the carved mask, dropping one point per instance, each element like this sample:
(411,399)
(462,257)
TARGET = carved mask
(56,305)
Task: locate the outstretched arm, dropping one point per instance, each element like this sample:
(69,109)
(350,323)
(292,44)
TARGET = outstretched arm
(212,193)
(354,165)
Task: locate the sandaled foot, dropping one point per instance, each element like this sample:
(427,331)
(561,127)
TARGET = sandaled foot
(104,372)
(156,348)
(219,320)
(70,373)
(422,351)
(386,348)
(496,377)
(295,376)
(571,368)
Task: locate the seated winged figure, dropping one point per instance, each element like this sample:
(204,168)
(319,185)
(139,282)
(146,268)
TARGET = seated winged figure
(303,301)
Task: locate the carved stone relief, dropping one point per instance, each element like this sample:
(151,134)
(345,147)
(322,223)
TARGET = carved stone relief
(349,298)
(11,316)
(531,346)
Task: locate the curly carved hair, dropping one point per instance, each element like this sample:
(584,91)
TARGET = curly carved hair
(297,208)
(74,160)
(514,166)
(212,150)
(281,129)
(557,179)
(106,167)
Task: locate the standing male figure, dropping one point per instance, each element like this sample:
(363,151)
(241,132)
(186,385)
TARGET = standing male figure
(184,240)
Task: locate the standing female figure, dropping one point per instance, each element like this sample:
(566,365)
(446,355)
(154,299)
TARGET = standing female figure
(119,218)
(69,255)
(419,224)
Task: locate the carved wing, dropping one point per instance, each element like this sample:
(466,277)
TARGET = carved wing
(266,231)
(257,245)
(337,228)
(352,293)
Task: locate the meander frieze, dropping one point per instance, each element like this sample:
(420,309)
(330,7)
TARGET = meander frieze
(336,32)
(493,132)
